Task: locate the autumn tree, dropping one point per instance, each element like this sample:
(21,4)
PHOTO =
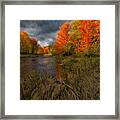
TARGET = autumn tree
(75,35)
(94,35)
(85,35)
(40,50)
(25,43)
(62,38)
(29,45)
(34,45)
(46,50)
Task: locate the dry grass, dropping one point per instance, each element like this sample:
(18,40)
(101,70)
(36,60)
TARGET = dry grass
(80,81)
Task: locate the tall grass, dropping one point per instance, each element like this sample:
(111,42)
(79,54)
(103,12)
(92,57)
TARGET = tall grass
(80,80)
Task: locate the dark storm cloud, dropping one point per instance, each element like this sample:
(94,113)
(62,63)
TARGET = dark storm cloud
(43,30)
(40,26)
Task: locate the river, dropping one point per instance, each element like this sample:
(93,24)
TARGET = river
(38,64)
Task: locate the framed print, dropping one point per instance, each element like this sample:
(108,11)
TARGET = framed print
(60,59)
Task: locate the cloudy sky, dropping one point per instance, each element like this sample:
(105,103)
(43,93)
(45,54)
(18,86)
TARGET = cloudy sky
(44,30)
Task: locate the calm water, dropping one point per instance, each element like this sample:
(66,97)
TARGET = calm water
(39,64)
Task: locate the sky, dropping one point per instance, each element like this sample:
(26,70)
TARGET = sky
(44,30)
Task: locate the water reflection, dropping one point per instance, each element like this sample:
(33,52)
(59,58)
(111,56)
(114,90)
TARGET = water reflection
(38,64)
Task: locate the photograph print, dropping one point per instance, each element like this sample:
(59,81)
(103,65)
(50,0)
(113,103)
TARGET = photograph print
(59,59)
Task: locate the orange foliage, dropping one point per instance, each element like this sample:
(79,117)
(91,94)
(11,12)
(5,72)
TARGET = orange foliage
(24,36)
(33,41)
(62,38)
(46,50)
(25,43)
(82,34)
(29,45)
(90,33)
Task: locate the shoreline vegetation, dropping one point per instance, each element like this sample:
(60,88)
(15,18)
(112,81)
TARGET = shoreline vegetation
(76,79)
(34,55)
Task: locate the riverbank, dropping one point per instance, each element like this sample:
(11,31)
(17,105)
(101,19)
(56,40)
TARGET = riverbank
(34,55)
(29,55)
(75,79)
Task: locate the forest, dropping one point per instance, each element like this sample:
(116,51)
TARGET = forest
(67,69)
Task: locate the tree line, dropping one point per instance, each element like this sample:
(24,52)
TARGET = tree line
(78,36)
(30,45)
(74,37)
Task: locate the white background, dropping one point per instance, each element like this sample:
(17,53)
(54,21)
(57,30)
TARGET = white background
(13,104)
